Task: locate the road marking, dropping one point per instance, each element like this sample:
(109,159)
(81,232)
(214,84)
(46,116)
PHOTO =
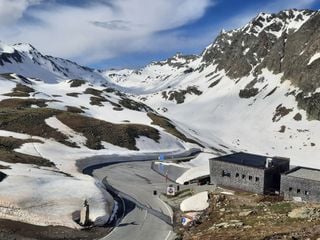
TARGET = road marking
(124,208)
(168,208)
(145,216)
(169,233)
(118,223)
(144,220)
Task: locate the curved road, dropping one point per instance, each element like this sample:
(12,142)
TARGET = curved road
(145,216)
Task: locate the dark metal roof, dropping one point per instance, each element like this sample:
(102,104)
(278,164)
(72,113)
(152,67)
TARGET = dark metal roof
(250,160)
(305,173)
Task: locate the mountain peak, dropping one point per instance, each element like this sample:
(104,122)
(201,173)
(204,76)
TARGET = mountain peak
(278,23)
(4,48)
(24,47)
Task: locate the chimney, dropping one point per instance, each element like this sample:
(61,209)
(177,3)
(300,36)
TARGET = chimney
(268,162)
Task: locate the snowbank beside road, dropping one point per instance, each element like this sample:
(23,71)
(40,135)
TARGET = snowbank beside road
(186,171)
(42,196)
(198,202)
(51,196)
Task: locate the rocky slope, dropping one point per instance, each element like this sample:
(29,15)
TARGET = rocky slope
(254,88)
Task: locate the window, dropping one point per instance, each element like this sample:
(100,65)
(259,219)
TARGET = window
(257,179)
(225,174)
(298,190)
(306,192)
(290,189)
(237,174)
(243,176)
(250,178)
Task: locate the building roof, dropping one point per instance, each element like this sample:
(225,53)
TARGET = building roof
(250,160)
(305,173)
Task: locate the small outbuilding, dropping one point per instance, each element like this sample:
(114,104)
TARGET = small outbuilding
(248,172)
(301,184)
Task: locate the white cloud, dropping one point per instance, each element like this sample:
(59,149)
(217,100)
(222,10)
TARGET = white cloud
(12,10)
(103,29)
(99,31)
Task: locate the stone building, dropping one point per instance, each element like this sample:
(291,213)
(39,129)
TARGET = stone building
(248,172)
(301,184)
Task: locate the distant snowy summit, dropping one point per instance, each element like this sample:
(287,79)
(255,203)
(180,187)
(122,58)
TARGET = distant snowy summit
(24,59)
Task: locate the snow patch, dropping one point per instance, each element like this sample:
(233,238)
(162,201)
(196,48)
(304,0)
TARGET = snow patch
(74,137)
(198,202)
(315,57)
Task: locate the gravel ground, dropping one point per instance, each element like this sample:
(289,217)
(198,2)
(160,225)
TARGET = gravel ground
(10,230)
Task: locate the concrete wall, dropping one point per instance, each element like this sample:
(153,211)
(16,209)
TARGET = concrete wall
(272,177)
(306,186)
(173,172)
(236,180)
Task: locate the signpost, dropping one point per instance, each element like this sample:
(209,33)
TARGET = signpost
(171,191)
(161,158)
(183,221)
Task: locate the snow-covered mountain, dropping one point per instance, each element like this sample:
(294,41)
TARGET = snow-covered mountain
(50,132)
(254,88)
(25,60)
(55,117)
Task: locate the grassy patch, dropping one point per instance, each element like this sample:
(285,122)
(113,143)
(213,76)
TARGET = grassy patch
(281,207)
(133,105)
(109,90)
(7,146)
(76,83)
(17,116)
(169,127)
(267,219)
(73,94)
(93,92)
(23,103)
(4,167)
(74,109)
(32,121)
(97,101)
(180,95)
(20,91)
(123,135)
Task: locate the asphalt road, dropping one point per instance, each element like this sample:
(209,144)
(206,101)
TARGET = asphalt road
(145,216)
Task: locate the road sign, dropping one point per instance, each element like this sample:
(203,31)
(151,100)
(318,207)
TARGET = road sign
(161,157)
(161,167)
(171,191)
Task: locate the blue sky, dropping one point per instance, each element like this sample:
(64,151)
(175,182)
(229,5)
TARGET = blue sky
(127,33)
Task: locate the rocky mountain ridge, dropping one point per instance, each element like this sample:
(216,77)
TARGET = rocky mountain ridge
(25,60)
(256,82)
(285,43)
